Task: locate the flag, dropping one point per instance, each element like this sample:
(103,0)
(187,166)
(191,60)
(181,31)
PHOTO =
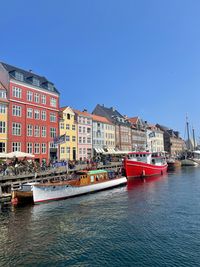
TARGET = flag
(60,139)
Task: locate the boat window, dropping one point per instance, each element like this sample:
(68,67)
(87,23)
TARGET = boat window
(137,155)
(92,179)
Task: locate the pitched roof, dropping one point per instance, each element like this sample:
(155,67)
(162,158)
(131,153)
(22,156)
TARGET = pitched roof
(111,114)
(100,119)
(27,75)
(133,119)
(83,113)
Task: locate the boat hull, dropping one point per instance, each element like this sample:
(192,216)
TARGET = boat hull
(188,162)
(22,197)
(141,169)
(58,191)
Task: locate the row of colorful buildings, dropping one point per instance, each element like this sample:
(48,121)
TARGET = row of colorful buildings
(32,121)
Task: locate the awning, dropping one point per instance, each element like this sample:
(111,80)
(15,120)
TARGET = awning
(99,150)
(19,154)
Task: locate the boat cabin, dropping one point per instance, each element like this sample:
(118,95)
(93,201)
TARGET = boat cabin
(157,158)
(92,177)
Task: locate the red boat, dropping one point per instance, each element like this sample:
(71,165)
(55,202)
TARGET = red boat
(144,164)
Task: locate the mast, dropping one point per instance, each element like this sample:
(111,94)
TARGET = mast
(188,134)
(193,138)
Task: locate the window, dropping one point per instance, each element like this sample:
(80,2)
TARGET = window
(29,113)
(35,81)
(68,116)
(44,131)
(37,131)
(19,76)
(88,130)
(29,96)
(2,147)
(37,114)
(16,146)
(62,125)
(2,127)
(88,121)
(53,102)
(16,92)
(37,148)
(43,99)
(43,115)
(52,117)
(2,109)
(62,150)
(84,139)
(2,94)
(44,149)
(67,138)
(89,140)
(73,138)
(80,139)
(67,127)
(53,132)
(68,150)
(36,98)
(16,111)
(16,128)
(29,148)
(73,127)
(80,150)
(79,129)
(83,129)
(84,151)
(29,130)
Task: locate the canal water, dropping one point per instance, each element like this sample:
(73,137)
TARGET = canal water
(151,223)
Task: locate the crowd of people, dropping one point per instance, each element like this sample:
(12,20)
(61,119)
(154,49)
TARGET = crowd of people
(18,166)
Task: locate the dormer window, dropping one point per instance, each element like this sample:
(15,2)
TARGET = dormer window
(35,81)
(19,76)
(50,86)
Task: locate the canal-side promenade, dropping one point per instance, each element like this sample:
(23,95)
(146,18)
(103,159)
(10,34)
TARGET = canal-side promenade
(152,223)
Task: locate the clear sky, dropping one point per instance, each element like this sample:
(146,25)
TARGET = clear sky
(140,56)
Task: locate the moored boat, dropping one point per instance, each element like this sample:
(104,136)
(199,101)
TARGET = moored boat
(24,194)
(84,182)
(173,164)
(144,164)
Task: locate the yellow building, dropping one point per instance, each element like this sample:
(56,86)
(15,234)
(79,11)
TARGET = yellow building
(3,119)
(68,127)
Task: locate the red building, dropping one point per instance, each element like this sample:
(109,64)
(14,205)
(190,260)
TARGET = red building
(32,112)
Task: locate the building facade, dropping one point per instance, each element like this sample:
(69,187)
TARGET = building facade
(32,112)
(155,139)
(173,143)
(84,135)
(138,134)
(103,134)
(3,119)
(122,126)
(68,128)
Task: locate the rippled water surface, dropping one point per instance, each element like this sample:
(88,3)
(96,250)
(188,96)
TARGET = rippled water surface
(152,223)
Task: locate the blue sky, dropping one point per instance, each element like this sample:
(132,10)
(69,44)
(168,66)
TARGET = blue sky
(140,56)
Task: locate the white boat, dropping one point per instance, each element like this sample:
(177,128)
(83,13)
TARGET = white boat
(85,182)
